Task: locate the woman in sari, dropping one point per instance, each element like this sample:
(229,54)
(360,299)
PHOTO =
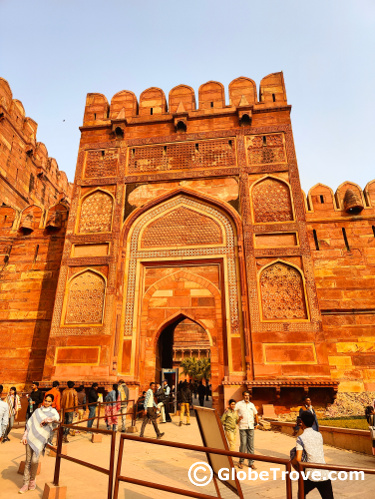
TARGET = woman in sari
(37,433)
(112,409)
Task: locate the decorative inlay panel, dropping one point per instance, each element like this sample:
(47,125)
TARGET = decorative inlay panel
(182,227)
(182,156)
(265,149)
(96,213)
(101,163)
(271,201)
(85,299)
(282,293)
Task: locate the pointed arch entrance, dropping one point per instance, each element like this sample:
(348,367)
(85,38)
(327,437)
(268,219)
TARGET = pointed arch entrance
(181,261)
(179,339)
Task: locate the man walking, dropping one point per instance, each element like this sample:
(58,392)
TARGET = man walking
(69,401)
(247,414)
(160,399)
(150,411)
(312,442)
(124,395)
(4,415)
(92,399)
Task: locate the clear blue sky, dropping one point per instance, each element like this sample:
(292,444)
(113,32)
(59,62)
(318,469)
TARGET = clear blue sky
(53,53)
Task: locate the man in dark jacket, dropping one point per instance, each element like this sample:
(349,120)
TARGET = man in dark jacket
(92,398)
(307,406)
(185,402)
(35,399)
(202,390)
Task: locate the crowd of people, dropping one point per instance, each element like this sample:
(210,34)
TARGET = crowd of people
(44,409)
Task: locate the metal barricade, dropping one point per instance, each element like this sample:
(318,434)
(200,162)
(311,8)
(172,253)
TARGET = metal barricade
(208,450)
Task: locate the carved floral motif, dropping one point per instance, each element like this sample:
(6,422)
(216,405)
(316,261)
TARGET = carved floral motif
(282,293)
(96,213)
(86,299)
(271,202)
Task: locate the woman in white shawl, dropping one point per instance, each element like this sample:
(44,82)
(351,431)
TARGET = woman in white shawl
(38,431)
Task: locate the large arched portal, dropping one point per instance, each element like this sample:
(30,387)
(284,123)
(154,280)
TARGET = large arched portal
(181,263)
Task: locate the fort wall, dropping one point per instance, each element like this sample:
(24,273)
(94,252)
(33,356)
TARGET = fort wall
(34,204)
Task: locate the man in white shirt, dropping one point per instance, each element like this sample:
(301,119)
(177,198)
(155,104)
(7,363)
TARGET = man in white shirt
(311,442)
(4,415)
(150,411)
(247,413)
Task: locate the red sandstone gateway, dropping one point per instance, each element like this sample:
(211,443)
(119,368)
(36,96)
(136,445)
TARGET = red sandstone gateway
(188,235)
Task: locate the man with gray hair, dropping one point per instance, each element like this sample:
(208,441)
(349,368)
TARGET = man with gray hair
(4,415)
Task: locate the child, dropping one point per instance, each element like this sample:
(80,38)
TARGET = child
(230,419)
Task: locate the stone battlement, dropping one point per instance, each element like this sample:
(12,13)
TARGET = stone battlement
(349,200)
(27,174)
(153,106)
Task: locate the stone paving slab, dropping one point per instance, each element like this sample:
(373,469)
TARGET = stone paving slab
(167,466)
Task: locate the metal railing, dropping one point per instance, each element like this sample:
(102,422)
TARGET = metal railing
(100,469)
(208,450)
(98,417)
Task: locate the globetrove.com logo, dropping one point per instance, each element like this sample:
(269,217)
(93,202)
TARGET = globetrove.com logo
(201,474)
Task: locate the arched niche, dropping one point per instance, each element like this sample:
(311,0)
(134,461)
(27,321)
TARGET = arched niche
(211,96)
(369,193)
(181,99)
(152,101)
(321,198)
(272,89)
(30,219)
(123,105)
(351,189)
(96,212)
(57,216)
(17,113)
(41,154)
(282,292)
(97,108)
(271,201)
(85,298)
(242,90)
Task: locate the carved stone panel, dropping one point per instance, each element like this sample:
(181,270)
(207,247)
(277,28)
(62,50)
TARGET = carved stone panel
(182,227)
(85,299)
(101,163)
(271,201)
(265,149)
(282,293)
(96,213)
(182,156)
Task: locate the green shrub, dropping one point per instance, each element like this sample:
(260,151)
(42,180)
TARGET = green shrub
(353,423)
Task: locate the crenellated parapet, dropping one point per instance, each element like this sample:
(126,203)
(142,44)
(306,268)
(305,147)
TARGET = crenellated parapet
(348,201)
(244,100)
(27,174)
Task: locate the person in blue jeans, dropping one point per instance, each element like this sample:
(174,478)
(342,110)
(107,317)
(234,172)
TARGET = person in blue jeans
(92,398)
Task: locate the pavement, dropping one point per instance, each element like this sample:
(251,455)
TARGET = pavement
(168,466)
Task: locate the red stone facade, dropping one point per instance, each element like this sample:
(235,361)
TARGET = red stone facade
(34,204)
(192,212)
